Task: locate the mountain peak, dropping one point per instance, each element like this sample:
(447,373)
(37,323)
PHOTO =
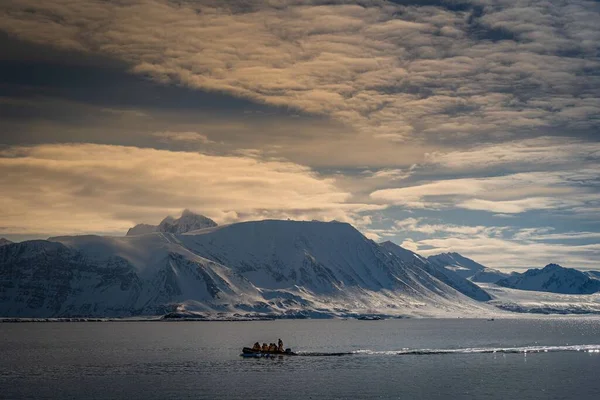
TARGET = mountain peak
(189,213)
(187,222)
(553,266)
(458,263)
(553,278)
(4,242)
(141,229)
(444,274)
(398,250)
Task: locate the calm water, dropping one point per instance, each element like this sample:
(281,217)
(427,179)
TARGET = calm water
(200,360)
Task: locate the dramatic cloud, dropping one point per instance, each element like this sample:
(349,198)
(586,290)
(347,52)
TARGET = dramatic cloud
(510,254)
(502,247)
(539,153)
(563,175)
(466,126)
(497,68)
(188,137)
(504,194)
(95,188)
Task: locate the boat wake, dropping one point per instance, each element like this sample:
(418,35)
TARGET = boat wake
(587,348)
(322,354)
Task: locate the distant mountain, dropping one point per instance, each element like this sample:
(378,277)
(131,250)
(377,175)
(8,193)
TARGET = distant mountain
(553,278)
(448,276)
(467,268)
(593,274)
(189,221)
(141,229)
(462,266)
(488,275)
(4,241)
(250,269)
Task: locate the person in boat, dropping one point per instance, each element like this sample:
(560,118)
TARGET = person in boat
(265,347)
(280,346)
(256,346)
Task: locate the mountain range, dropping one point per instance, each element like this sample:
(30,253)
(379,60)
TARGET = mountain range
(243,270)
(188,267)
(448,276)
(553,278)
(466,268)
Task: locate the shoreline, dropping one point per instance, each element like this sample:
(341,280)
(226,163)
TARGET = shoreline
(490,318)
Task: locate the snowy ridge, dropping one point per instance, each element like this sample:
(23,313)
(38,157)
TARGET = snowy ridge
(553,278)
(189,221)
(593,274)
(245,270)
(463,266)
(141,229)
(447,276)
(488,275)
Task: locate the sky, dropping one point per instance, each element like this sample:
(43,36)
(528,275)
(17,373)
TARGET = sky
(458,125)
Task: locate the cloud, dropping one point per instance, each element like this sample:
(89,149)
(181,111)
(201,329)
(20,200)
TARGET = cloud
(409,244)
(388,174)
(392,71)
(502,247)
(538,153)
(315,142)
(187,137)
(563,175)
(101,188)
(373,87)
(511,254)
(417,225)
(514,206)
(410,226)
(544,234)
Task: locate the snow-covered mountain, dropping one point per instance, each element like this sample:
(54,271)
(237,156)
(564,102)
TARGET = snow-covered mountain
(141,229)
(189,221)
(280,268)
(462,266)
(553,278)
(593,274)
(100,276)
(447,276)
(488,275)
(466,268)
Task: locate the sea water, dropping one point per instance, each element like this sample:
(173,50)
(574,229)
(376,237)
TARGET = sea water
(546,358)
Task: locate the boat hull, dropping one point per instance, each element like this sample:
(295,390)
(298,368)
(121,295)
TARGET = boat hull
(248,352)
